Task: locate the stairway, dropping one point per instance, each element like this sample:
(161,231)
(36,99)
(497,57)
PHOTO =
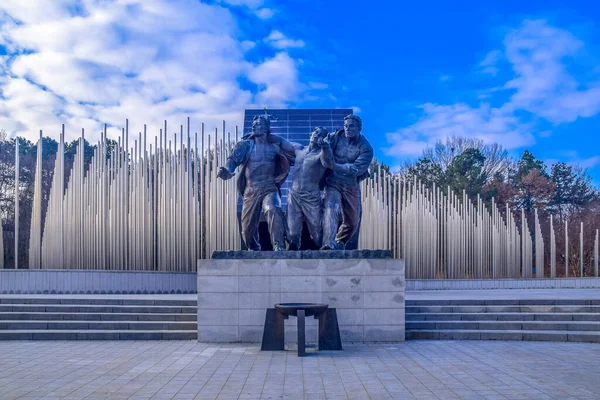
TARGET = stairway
(84,318)
(540,320)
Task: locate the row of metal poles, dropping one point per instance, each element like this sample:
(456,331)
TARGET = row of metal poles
(161,207)
(447,236)
(146,207)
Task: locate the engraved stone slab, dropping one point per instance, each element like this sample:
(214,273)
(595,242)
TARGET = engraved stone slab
(365,286)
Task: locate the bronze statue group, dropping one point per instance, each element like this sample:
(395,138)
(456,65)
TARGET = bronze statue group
(325,188)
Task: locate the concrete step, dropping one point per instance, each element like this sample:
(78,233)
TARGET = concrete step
(97,301)
(505,325)
(58,316)
(481,302)
(531,335)
(512,316)
(96,308)
(97,335)
(99,325)
(504,309)
(97,318)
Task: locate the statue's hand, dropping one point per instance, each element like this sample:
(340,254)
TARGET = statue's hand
(324,142)
(224,173)
(349,169)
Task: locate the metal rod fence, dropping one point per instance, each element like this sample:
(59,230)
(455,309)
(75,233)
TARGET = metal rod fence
(162,207)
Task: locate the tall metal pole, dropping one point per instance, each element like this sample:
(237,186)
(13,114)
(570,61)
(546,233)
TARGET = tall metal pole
(35,231)
(595,254)
(81,229)
(566,249)
(1,246)
(61,193)
(16,202)
(581,250)
(552,250)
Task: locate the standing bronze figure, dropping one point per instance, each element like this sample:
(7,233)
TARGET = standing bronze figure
(352,155)
(265,161)
(304,198)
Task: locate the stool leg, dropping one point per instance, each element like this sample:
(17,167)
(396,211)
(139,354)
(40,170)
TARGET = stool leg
(301,334)
(329,331)
(273,332)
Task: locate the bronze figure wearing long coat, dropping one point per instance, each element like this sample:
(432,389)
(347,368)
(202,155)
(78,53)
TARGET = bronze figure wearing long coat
(351,156)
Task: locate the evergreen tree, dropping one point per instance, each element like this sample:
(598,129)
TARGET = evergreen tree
(466,172)
(528,162)
(426,172)
(532,183)
(573,189)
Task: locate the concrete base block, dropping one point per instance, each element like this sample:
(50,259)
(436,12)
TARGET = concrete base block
(218,334)
(384,333)
(234,294)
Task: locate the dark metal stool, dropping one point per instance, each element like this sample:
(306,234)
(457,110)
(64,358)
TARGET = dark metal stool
(329,331)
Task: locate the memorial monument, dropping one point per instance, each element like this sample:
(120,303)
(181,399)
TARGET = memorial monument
(366,287)
(338,161)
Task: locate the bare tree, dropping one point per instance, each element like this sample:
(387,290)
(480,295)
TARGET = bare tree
(497,159)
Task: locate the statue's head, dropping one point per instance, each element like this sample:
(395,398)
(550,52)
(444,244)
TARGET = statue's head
(352,126)
(319,132)
(261,126)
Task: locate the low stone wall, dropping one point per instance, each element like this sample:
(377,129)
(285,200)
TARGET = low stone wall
(486,284)
(233,295)
(95,282)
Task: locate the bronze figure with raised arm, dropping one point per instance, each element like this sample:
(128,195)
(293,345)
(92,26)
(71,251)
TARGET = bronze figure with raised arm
(265,160)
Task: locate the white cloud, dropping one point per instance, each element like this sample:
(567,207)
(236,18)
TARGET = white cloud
(445,78)
(254,5)
(539,55)
(87,63)
(492,125)
(36,11)
(589,162)
(247,3)
(280,41)
(26,108)
(265,13)
(318,85)
(489,64)
(574,159)
(355,109)
(278,78)
(248,45)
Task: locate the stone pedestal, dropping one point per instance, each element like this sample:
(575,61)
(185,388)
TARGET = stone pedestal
(236,288)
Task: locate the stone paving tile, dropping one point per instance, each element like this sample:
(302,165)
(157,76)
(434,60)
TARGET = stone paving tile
(189,370)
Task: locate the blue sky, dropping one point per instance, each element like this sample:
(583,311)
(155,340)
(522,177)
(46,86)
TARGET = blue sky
(525,74)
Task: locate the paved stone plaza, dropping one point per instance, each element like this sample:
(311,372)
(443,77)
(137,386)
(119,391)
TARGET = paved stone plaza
(190,370)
